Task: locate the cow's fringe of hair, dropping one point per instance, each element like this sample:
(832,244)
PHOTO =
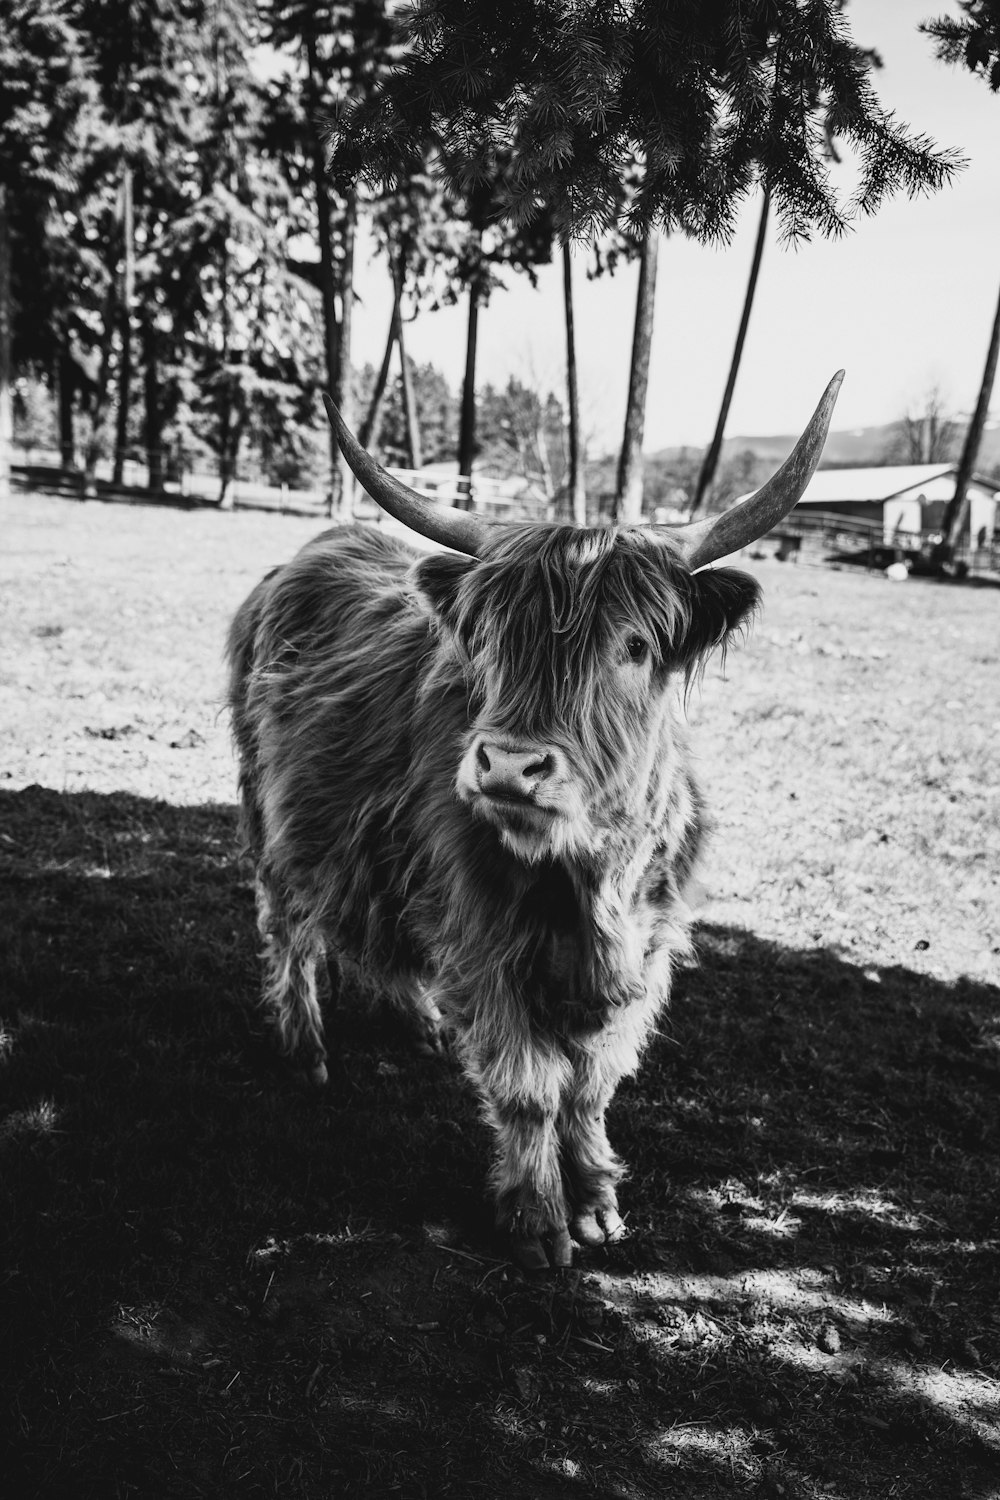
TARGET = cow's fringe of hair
(540,627)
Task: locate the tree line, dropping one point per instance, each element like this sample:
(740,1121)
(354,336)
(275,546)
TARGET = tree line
(182,184)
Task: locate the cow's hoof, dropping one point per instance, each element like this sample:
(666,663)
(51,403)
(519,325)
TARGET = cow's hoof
(586,1230)
(562,1248)
(598,1226)
(614,1225)
(531,1254)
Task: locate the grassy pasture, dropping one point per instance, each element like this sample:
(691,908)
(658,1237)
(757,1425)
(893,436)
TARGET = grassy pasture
(212,1283)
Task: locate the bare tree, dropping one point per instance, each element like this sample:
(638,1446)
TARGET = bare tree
(523,430)
(926,433)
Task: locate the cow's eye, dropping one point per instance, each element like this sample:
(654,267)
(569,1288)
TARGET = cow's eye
(636,648)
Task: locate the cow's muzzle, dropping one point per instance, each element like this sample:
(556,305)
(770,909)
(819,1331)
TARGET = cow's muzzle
(513,773)
(513,782)
(526,790)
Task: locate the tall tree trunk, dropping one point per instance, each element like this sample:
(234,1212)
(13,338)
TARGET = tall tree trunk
(125,401)
(413,438)
(230,454)
(99,395)
(628,497)
(6,333)
(368,432)
(711,460)
(125,327)
(228,443)
(227,499)
(955,516)
(577,494)
(467,425)
(414,441)
(66,381)
(153,431)
(327,269)
(343,395)
(226,464)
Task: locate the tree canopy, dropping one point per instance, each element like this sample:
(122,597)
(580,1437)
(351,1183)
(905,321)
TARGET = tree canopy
(174,251)
(972,38)
(703,98)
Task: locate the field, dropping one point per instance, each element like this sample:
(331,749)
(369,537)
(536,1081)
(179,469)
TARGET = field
(214,1283)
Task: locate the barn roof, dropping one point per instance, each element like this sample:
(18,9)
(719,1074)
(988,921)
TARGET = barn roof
(884,483)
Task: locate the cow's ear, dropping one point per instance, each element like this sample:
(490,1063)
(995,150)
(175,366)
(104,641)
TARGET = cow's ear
(438,576)
(723,601)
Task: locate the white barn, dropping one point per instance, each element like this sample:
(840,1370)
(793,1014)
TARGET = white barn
(904,497)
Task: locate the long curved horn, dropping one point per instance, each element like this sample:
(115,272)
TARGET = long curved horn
(452,528)
(717,536)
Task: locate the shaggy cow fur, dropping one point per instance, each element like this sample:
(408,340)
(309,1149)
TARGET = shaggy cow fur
(470,778)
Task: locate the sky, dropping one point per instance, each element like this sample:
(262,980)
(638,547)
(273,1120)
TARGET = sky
(903,302)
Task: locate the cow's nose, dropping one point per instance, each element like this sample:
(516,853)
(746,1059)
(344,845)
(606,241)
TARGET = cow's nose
(502,771)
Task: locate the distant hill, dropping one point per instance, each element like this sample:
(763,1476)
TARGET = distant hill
(671,473)
(857,448)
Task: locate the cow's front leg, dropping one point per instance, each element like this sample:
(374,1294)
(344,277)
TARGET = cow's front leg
(521,1080)
(592,1169)
(599,1062)
(527,1182)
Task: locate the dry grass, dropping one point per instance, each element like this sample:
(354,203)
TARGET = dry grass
(214,1284)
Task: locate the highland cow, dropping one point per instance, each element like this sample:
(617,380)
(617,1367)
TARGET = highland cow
(466,774)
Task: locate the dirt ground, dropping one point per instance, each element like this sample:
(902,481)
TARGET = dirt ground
(214,1283)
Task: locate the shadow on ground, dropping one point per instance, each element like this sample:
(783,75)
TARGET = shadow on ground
(214,1282)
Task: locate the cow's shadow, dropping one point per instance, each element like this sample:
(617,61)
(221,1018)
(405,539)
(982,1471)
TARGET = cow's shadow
(214,1277)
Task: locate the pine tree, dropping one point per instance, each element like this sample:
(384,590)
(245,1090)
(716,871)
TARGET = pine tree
(344,49)
(524,433)
(435,412)
(816,97)
(48,106)
(421,230)
(487,246)
(154,63)
(249,316)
